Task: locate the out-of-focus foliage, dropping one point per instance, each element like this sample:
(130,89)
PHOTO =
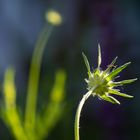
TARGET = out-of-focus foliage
(35,125)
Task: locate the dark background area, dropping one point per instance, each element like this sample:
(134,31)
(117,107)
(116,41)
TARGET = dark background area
(115,24)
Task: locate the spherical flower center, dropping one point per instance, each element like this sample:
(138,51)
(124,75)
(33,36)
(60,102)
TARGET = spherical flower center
(99,81)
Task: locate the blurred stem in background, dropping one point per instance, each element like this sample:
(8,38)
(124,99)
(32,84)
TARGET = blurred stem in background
(34,78)
(35,126)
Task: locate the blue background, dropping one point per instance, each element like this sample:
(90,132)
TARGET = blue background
(115,24)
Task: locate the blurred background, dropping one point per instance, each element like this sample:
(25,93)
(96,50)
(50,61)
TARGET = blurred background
(115,24)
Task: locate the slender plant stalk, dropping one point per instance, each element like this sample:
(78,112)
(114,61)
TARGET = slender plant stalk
(78,113)
(34,74)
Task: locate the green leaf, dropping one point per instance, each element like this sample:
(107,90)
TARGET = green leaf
(116,92)
(9,88)
(57,93)
(117,71)
(111,65)
(99,56)
(86,63)
(55,107)
(120,83)
(109,99)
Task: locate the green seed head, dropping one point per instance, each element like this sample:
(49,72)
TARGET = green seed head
(103,82)
(98,80)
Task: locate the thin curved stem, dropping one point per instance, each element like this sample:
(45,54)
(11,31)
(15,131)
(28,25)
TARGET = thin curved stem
(34,74)
(78,113)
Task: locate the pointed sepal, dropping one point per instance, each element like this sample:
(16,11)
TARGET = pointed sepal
(99,56)
(109,99)
(117,71)
(116,92)
(121,83)
(86,63)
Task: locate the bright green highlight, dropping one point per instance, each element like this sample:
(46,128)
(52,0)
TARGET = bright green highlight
(10,113)
(9,88)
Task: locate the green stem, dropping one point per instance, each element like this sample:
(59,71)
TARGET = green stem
(78,113)
(34,74)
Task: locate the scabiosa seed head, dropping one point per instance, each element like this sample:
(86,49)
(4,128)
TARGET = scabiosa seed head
(102,83)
